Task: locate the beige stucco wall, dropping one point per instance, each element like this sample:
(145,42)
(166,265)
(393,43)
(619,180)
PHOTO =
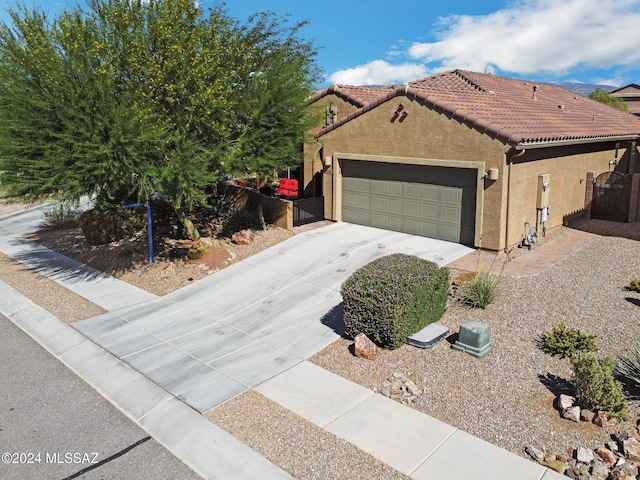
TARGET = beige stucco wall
(313,151)
(422,137)
(567,183)
(428,137)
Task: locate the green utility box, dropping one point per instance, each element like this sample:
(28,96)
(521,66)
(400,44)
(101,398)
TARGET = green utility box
(474,339)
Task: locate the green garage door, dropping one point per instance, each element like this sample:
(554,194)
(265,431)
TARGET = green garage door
(436,202)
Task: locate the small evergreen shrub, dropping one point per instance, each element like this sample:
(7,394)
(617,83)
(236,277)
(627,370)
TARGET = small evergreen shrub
(480,291)
(596,388)
(105,226)
(241,220)
(565,341)
(633,285)
(629,365)
(61,215)
(394,297)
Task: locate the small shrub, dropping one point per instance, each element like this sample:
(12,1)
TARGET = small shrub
(60,216)
(196,251)
(105,226)
(596,388)
(633,285)
(394,297)
(479,292)
(629,365)
(565,341)
(240,220)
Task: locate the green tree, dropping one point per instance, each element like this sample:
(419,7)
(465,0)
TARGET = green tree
(605,97)
(137,98)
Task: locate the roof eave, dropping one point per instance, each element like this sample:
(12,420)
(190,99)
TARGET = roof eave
(524,145)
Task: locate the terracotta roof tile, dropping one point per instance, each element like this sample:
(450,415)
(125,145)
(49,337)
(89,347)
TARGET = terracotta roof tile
(518,112)
(359,96)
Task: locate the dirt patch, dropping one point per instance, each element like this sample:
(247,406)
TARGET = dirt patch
(128,260)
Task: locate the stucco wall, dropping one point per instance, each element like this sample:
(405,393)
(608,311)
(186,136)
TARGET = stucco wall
(313,153)
(422,134)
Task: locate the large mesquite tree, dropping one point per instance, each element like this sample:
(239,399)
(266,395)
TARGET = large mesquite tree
(134,98)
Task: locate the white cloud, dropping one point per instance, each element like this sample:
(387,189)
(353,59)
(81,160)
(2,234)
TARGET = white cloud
(379,72)
(533,36)
(528,37)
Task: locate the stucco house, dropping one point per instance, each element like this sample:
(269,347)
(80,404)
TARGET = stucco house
(631,96)
(467,157)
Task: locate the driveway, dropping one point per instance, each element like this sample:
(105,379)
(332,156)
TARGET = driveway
(212,340)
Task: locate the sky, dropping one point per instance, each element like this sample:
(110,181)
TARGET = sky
(378,42)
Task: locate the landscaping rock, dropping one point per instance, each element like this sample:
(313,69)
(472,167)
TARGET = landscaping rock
(584,455)
(586,415)
(363,347)
(572,413)
(534,453)
(601,419)
(565,401)
(607,456)
(243,237)
(631,449)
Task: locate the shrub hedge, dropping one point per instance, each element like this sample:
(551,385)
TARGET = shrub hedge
(394,297)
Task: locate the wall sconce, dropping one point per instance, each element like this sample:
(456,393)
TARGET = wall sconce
(328,161)
(493,174)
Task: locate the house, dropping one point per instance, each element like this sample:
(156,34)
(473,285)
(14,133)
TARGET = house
(472,158)
(630,94)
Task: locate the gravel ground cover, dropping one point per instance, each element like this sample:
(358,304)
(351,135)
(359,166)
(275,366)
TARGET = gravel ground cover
(506,398)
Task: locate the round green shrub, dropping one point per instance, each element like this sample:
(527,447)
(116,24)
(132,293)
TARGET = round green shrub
(596,387)
(565,341)
(105,226)
(394,297)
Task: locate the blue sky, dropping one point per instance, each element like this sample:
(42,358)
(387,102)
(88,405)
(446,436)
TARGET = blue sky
(380,42)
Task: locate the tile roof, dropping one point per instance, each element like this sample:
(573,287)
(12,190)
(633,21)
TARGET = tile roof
(359,96)
(521,113)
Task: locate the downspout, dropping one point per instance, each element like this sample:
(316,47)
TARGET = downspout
(509,163)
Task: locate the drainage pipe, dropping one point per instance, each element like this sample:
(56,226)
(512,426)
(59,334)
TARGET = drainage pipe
(509,163)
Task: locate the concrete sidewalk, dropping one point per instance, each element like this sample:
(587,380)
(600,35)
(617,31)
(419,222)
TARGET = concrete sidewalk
(208,342)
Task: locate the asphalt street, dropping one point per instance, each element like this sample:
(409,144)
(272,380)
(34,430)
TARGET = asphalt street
(55,426)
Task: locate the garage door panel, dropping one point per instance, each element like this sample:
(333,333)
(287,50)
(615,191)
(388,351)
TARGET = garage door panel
(450,195)
(430,212)
(412,208)
(378,204)
(436,202)
(450,214)
(393,206)
(449,233)
(429,193)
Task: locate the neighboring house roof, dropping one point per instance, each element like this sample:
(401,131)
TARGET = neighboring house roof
(630,89)
(521,113)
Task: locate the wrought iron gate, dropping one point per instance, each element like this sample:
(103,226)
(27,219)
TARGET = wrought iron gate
(611,197)
(308,210)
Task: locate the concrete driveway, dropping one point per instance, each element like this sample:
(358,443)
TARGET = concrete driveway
(212,340)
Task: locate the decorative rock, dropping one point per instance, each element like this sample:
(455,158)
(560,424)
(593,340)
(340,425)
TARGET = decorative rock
(535,453)
(607,456)
(572,413)
(586,415)
(557,465)
(601,419)
(565,401)
(631,449)
(412,388)
(584,455)
(363,347)
(599,469)
(243,237)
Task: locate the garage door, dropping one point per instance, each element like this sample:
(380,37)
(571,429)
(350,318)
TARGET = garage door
(436,202)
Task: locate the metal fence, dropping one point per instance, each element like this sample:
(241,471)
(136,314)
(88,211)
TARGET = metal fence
(308,210)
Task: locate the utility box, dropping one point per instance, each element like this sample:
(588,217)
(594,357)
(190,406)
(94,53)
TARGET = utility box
(428,336)
(542,200)
(473,339)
